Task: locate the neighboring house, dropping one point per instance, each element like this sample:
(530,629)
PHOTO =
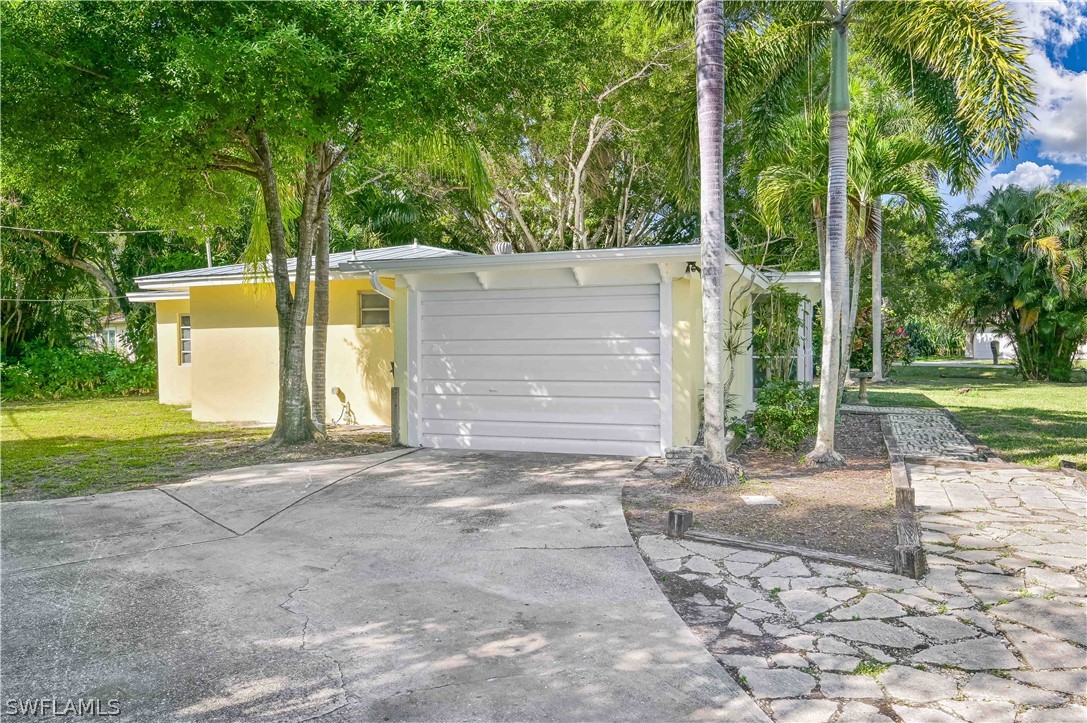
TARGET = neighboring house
(978,345)
(596,352)
(111,335)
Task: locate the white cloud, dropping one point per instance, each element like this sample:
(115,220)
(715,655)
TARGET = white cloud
(1027,174)
(1060,123)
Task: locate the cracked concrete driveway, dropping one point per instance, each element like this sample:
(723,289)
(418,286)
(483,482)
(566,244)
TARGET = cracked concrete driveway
(399,586)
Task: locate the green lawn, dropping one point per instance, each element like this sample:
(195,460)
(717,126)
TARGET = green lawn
(1033,423)
(58,449)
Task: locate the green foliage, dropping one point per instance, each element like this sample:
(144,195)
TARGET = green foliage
(896,341)
(935,338)
(1026,273)
(63,372)
(774,334)
(786,414)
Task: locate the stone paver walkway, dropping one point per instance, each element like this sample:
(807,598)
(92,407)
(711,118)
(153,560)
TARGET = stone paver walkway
(995,633)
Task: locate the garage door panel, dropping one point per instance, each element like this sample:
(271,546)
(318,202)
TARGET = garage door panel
(618,325)
(610,432)
(533,347)
(543,368)
(538,444)
(563,370)
(547,306)
(566,388)
(586,292)
(558,410)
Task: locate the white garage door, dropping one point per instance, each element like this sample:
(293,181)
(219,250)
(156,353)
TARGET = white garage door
(552,370)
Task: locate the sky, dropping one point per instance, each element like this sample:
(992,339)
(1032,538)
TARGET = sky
(1055,147)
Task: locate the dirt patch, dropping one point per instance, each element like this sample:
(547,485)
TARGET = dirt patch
(849,510)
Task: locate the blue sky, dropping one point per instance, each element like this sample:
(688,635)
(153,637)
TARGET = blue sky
(1055,148)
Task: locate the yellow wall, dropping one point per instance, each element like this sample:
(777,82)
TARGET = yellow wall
(175,380)
(235,368)
(688,362)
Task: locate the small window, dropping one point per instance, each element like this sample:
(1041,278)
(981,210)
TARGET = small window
(185,333)
(111,339)
(373,310)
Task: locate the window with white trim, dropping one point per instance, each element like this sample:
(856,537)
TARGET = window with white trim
(373,309)
(184,330)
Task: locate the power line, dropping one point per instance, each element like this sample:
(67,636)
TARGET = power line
(77,233)
(64,301)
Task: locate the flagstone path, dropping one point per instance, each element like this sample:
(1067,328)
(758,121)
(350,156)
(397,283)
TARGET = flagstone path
(996,631)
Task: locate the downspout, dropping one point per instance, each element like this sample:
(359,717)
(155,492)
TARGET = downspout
(380,288)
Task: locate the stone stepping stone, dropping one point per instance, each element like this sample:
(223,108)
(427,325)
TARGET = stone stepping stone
(835,647)
(942,628)
(743,661)
(842,594)
(709,550)
(1073,682)
(923,715)
(702,565)
(799,642)
(917,686)
(659,547)
(742,625)
(872,632)
(789,566)
(803,711)
(777,683)
(1065,714)
(789,660)
(1043,652)
(849,686)
(871,606)
(983,686)
(980,654)
(756,500)
(976,711)
(805,604)
(737,568)
(861,713)
(841,663)
(1057,618)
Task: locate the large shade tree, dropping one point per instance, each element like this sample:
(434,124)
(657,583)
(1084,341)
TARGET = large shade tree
(171,105)
(963,63)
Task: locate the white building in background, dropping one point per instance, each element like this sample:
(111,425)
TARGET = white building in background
(978,345)
(112,336)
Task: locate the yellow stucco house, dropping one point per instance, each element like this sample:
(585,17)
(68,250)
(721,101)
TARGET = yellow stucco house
(593,352)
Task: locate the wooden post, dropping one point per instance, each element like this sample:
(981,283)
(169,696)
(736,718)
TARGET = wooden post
(394,426)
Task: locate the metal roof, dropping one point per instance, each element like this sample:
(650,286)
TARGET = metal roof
(237,271)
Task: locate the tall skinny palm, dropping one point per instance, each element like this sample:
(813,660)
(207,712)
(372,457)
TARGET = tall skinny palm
(710,63)
(962,62)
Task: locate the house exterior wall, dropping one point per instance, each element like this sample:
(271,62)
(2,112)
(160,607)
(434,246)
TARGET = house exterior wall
(174,379)
(687,360)
(235,354)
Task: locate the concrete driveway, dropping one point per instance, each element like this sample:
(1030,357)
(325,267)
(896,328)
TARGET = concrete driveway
(406,585)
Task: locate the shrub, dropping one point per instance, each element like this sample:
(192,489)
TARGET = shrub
(896,341)
(787,412)
(58,372)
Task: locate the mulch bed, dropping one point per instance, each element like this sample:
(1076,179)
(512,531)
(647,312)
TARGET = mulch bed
(848,511)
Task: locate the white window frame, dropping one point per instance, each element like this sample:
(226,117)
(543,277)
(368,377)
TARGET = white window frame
(182,327)
(387,308)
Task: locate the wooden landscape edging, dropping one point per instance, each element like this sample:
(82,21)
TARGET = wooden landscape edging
(782,549)
(909,555)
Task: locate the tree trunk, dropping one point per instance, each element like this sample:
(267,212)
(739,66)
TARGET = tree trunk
(834,281)
(709,51)
(293,422)
(320,313)
(877,291)
(849,319)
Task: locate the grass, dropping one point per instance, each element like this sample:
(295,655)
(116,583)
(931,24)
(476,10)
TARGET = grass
(1031,423)
(64,448)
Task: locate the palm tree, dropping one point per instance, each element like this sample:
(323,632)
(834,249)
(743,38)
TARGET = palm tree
(710,62)
(1027,268)
(962,62)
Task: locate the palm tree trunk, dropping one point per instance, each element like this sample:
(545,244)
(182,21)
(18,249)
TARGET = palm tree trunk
(849,318)
(877,291)
(320,314)
(709,52)
(834,281)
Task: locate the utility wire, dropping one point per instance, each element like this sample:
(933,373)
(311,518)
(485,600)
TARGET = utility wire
(64,301)
(77,233)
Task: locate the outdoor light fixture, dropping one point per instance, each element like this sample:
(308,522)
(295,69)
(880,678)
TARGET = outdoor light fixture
(338,393)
